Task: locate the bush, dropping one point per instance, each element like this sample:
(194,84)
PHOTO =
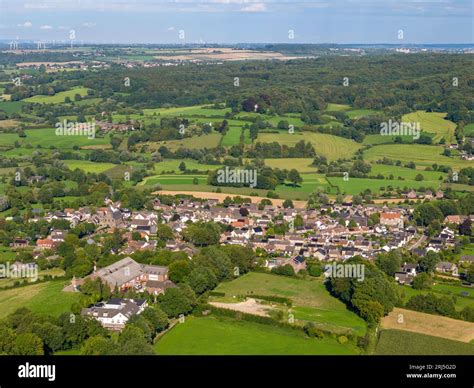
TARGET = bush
(285,270)
(311,330)
(342,339)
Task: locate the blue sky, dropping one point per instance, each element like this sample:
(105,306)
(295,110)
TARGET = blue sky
(237,21)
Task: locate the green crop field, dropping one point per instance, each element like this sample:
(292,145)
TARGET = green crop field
(311,300)
(58,98)
(332,147)
(398,342)
(223,336)
(422,155)
(43,298)
(433,122)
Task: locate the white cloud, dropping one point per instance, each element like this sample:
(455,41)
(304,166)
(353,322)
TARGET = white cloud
(88,24)
(257,7)
(46,27)
(26,25)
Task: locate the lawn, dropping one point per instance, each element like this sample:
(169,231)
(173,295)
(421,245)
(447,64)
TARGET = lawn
(422,155)
(42,298)
(433,122)
(332,147)
(58,98)
(223,336)
(311,300)
(398,342)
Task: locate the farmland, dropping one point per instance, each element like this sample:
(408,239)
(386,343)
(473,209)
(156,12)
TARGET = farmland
(398,342)
(421,155)
(219,336)
(332,147)
(58,98)
(433,122)
(430,324)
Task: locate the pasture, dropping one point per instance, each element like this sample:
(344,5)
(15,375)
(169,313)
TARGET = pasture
(224,336)
(43,298)
(332,147)
(422,155)
(58,98)
(433,122)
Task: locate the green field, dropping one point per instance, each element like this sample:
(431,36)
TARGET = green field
(469,130)
(232,137)
(205,141)
(311,300)
(222,336)
(42,298)
(89,166)
(303,165)
(165,180)
(421,155)
(358,113)
(11,106)
(332,147)
(337,107)
(440,290)
(399,342)
(47,137)
(191,164)
(433,122)
(357,185)
(58,98)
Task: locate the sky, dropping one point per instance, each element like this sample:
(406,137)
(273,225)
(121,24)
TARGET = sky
(239,21)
